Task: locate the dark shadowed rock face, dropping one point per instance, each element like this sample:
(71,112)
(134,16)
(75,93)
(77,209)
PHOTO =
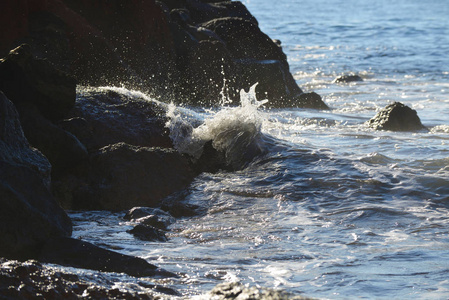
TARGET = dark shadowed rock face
(14,147)
(244,39)
(29,215)
(152,46)
(42,94)
(123,176)
(26,79)
(63,149)
(259,59)
(104,117)
(397,117)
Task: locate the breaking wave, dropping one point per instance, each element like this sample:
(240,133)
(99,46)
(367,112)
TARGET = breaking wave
(233,131)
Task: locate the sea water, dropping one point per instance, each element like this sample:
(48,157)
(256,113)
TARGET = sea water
(326,207)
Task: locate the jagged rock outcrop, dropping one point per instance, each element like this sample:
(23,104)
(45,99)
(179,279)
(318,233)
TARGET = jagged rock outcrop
(42,95)
(29,214)
(396,117)
(182,51)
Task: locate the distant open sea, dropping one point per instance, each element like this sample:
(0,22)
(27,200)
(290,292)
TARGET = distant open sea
(332,209)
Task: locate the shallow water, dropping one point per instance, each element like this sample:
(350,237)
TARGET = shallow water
(328,208)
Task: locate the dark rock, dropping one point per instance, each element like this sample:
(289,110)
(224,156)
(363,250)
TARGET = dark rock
(348,78)
(272,77)
(150,216)
(29,214)
(211,160)
(245,40)
(210,72)
(102,43)
(203,11)
(309,100)
(175,205)
(80,254)
(130,38)
(63,149)
(148,233)
(105,117)
(79,127)
(32,280)
(156,221)
(26,79)
(258,59)
(14,147)
(125,176)
(238,291)
(139,212)
(396,117)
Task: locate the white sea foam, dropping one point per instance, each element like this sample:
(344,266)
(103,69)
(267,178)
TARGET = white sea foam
(232,130)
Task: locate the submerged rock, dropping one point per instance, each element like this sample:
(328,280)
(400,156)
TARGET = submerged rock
(396,117)
(148,233)
(150,216)
(348,78)
(238,291)
(29,214)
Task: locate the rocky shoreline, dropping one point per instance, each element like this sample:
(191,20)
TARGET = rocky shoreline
(66,144)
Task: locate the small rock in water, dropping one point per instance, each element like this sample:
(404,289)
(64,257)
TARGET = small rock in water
(396,117)
(148,233)
(347,78)
(150,216)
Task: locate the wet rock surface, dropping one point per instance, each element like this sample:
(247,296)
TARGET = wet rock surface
(81,254)
(150,216)
(397,117)
(101,117)
(32,280)
(148,233)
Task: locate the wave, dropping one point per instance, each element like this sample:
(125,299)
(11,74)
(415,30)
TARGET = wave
(235,132)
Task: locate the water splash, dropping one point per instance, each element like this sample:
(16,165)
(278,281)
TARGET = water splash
(234,131)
